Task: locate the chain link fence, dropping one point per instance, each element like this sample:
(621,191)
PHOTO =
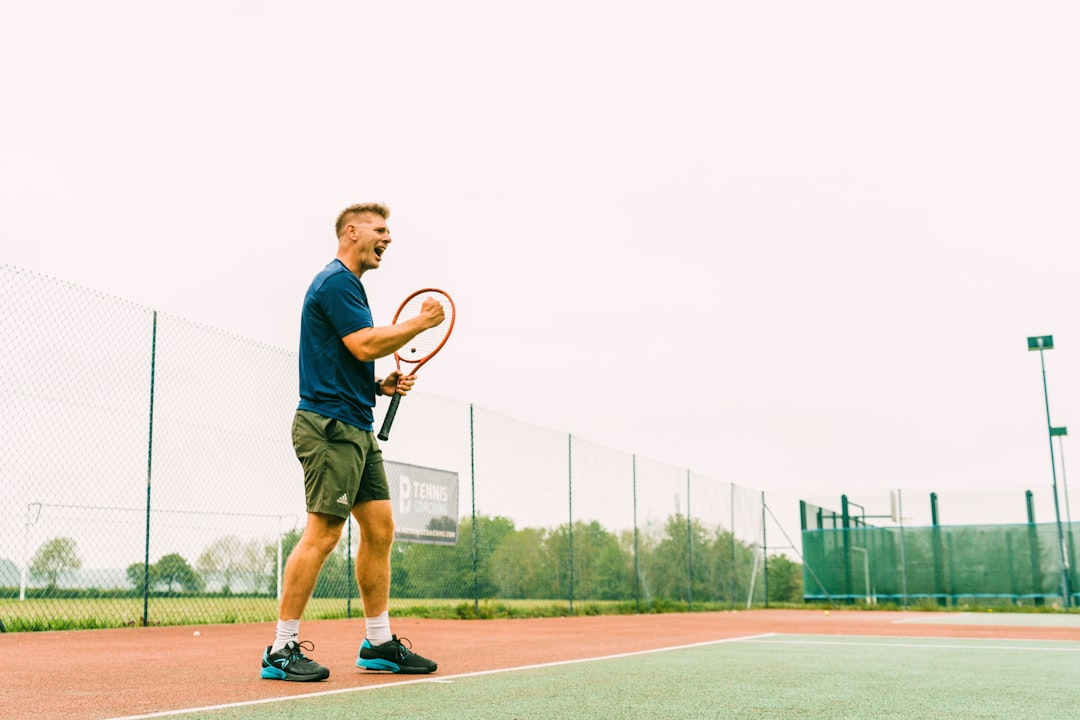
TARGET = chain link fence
(149,478)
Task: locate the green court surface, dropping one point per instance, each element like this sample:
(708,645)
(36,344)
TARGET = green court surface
(766,677)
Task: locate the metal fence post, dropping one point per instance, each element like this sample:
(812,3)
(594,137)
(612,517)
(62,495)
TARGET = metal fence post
(689,550)
(149,473)
(475,534)
(570,508)
(637,566)
(764,549)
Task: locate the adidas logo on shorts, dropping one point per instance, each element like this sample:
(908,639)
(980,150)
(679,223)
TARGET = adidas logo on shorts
(343,500)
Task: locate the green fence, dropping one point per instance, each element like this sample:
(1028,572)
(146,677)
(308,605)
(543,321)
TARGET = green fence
(148,477)
(943,565)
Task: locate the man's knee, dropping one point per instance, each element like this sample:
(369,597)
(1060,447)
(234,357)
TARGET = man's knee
(376,522)
(379,536)
(322,532)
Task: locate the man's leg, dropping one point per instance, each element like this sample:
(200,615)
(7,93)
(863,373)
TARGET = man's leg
(376,520)
(381,650)
(321,535)
(285,660)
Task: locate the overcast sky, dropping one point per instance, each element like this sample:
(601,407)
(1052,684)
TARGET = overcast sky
(796,246)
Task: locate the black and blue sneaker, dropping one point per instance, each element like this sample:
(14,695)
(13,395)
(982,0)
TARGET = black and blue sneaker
(289,663)
(393,657)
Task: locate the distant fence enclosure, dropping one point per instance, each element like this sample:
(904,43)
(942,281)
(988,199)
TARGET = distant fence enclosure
(149,478)
(1016,564)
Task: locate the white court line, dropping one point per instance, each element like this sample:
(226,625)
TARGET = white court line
(442,679)
(961,644)
(1026,620)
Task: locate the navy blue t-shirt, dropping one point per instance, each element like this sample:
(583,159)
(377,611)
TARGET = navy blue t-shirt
(333,382)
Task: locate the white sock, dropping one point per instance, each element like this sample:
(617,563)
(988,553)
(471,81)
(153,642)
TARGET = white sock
(286,630)
(378,629)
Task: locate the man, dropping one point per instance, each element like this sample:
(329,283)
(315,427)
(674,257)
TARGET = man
(333,437)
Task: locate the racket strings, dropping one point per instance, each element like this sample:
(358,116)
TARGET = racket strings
(428,341)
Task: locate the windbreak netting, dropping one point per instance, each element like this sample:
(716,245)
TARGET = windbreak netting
(149,478)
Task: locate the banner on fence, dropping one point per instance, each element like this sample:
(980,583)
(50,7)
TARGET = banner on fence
(425,503)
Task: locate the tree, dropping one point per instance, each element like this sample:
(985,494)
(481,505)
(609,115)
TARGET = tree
(9,573)
(258,566)
(728,567)
(785,579)
(602,569)
(173,569)
(221,561)
(423,570)
(520,567)
(54,558)
(667,564)
(235,564)
(137,573)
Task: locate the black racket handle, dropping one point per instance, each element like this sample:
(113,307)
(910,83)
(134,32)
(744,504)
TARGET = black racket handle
(384,431)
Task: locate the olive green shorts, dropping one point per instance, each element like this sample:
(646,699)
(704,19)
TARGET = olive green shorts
(342,464)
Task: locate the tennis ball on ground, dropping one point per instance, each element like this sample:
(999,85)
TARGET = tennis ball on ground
(826,613)
(196,633)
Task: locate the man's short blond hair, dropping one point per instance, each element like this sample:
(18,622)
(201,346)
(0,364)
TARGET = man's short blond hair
(352,211)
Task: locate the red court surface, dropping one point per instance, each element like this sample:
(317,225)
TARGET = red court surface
(96,674)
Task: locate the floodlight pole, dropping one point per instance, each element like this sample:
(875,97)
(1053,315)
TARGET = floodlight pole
(1060,433)
(1041,343)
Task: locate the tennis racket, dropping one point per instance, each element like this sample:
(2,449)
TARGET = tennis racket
(415,353)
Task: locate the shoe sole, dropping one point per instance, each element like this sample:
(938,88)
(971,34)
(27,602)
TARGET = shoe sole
(273,673)
(387,666)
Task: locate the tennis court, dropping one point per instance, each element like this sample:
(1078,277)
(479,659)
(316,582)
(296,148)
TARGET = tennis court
(757,664)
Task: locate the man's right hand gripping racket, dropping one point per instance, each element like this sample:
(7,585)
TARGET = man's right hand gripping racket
(421,348)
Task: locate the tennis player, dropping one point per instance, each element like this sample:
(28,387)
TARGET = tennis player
(333,436)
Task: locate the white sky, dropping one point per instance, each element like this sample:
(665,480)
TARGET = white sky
(796,246)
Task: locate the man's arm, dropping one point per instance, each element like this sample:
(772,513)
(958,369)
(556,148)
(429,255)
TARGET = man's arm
(368,344)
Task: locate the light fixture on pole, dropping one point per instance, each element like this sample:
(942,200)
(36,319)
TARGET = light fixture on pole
(1041,343)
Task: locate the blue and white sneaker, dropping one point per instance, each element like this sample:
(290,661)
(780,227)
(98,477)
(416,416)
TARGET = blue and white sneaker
(393,657)
(289,663)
